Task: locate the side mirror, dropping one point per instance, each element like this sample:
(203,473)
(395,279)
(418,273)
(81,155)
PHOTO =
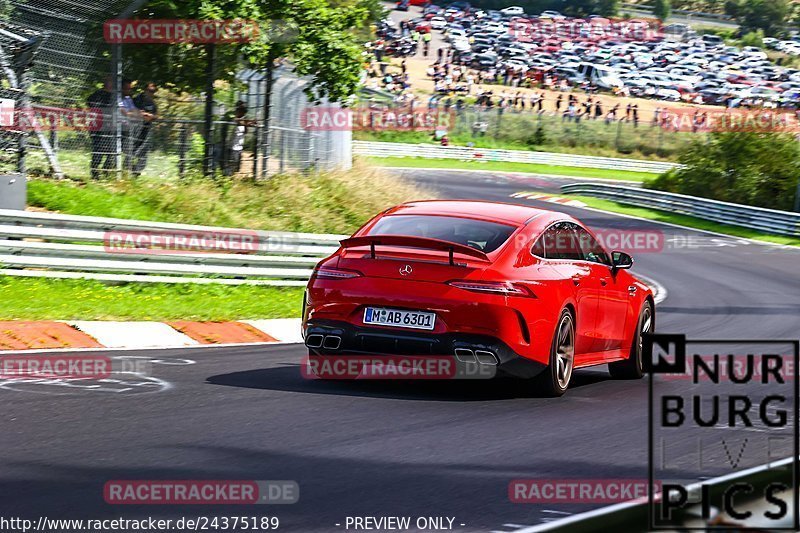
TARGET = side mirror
(621,260)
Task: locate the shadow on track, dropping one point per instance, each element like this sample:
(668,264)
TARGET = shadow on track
(288,379)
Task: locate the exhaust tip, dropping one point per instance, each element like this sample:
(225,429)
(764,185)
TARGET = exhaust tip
(332,342)
(465,355)
(486,358)
(314,341)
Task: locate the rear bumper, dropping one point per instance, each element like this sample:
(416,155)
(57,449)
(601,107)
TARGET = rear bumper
(333,337)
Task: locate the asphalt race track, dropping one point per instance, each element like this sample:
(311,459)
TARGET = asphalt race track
(379,448)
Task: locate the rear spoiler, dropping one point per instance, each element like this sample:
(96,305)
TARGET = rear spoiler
(413,242)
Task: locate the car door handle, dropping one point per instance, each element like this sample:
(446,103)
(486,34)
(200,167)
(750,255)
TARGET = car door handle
(576,280)
(603,282)
(632,289)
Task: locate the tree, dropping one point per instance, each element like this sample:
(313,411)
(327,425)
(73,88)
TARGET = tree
(317,38)
(768,15)
(753,38)
(742,167)
(662,9)
(582,8)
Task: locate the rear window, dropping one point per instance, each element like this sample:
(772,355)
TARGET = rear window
(479,234)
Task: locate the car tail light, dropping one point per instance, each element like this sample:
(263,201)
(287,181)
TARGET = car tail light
(505,288)
(336,273)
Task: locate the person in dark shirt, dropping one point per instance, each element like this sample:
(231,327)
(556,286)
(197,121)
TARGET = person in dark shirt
(145,103)
(103,137)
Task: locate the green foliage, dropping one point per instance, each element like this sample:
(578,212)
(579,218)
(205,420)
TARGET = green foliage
(318,38)
(5,9)
(768,15)
(68,299)
(337,202)
(753,38)
(662,9)
(197,149)
(538,137)
(758,169)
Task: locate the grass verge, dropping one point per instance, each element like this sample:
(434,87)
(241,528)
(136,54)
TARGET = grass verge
(67,299)
(326,202)
(338,202)
(684,220)
(499,166)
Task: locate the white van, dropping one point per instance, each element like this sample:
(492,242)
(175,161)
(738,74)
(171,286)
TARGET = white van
(599,75)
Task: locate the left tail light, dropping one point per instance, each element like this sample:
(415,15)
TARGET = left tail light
(336,273)
(503,288)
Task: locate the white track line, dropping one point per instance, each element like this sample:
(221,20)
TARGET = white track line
(660,292)
(508,173)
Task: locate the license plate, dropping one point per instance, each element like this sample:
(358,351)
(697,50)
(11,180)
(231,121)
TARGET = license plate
(398,318)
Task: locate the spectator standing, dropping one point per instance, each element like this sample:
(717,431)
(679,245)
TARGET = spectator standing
(130,121)
(102,138)
(145,103)
(656,117)
(234,162)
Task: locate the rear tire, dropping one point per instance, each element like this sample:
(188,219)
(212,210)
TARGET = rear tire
(554,380)
(631,368)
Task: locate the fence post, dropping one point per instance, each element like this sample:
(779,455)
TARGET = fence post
(282,161)
(265,140)
(116,118)
(182,150)
(211,58)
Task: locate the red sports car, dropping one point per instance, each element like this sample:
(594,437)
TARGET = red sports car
(529,291)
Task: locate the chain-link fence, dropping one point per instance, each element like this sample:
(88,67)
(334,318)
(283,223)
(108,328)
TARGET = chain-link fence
(546,130)
(83,118)
(621,134)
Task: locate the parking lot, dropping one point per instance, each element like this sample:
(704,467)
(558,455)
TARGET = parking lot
(630,58)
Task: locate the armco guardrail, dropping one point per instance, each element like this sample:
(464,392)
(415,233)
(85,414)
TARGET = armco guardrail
(694,14)
(766,220)
(432,151)
(34,244)
(633,515)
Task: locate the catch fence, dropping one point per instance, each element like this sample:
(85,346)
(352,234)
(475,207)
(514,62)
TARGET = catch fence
(191,134)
